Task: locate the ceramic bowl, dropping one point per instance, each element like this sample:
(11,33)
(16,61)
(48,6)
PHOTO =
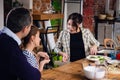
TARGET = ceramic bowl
(93,72)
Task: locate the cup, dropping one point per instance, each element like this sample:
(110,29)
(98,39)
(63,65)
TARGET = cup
(113,54)
(118,56)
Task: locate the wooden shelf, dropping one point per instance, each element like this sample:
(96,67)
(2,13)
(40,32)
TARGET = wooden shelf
(38,16)
(43,31)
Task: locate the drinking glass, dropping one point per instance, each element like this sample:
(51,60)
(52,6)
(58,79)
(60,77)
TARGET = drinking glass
(113,54)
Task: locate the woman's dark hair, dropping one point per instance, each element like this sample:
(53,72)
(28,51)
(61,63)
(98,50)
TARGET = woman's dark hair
(32,32)
(76,18)
(17,19)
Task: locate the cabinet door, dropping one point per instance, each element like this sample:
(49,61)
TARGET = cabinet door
(7,8)
(104,31)
(117,32)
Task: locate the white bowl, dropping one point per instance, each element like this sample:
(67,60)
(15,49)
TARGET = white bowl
(91,72)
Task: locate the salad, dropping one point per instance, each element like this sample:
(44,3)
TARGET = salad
(99,58)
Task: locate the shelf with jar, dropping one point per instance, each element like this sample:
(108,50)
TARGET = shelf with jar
(43,10)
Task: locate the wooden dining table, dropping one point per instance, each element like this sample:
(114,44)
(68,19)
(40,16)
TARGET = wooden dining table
(72,71)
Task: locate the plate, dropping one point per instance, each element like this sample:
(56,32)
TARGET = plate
(113,61)
(97,58)
(105,51)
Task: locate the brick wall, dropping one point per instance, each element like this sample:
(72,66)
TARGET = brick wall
(92,8)
(88,14)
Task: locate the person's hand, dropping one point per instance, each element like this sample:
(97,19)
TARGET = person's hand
(65,56)
(44,55)
(42,63)
(93,50)
(45,61)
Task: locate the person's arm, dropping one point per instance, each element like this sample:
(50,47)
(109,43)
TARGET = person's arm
(94,43)
(42,63)
(93,49)
(43,54)
(64,55)
(92,39)
(58,44)
(21,68)
(58,47)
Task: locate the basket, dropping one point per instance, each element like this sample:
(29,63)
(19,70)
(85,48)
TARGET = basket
(102,16)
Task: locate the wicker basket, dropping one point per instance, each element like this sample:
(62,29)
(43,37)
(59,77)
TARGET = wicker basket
(110,18)
(102,16)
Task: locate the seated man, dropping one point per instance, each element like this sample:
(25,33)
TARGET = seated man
(13,62)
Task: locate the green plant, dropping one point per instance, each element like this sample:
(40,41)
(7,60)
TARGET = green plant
(56,5)
(56,57)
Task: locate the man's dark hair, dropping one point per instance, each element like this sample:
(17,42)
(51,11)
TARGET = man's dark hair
(17,19)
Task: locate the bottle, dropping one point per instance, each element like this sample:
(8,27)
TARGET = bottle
(113,54)
(118,56)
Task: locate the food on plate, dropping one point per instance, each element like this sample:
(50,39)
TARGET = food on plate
(113,61)
(114,69)
(99,58)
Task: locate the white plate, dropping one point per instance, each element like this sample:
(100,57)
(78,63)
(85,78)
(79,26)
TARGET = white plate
(97,57)
(105,51)
(113,61)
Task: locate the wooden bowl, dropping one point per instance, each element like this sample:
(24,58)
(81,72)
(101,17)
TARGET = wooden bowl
(110,18)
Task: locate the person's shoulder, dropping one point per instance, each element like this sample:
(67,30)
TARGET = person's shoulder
(27,53)
(85,30)
(64,32)
(5,37)
(7,41)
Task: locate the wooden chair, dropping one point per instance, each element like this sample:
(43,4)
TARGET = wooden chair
(110,42)
(118,38)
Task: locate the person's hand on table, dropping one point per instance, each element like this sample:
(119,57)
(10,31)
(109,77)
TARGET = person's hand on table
(93,50)
(65,56)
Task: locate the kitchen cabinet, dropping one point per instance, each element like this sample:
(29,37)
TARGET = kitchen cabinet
(106,29)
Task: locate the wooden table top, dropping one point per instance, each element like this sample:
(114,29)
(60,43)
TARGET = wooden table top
(71,71)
